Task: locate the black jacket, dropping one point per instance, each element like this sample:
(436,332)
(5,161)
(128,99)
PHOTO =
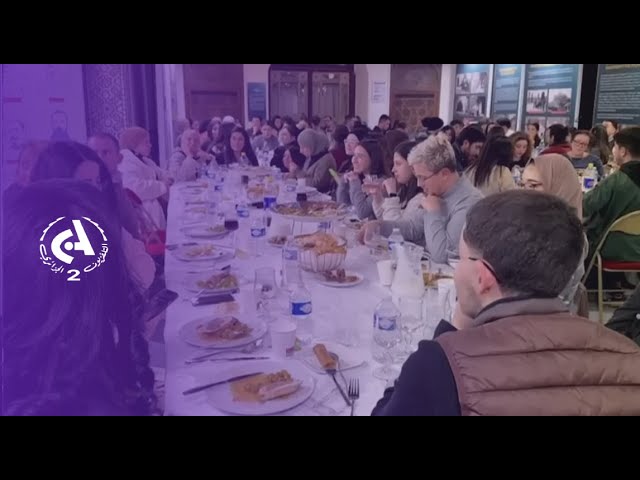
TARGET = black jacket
(426,386)
(626,319)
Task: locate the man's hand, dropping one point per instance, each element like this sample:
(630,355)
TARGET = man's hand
(431,203)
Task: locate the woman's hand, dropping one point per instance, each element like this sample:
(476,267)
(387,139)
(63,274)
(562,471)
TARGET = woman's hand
(390,185)
(351,176)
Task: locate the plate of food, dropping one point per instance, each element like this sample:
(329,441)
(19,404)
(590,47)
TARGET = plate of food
(281,386)
(431,278)
(309,211)
(340,278)
(200,252)
(221,332)
(321,252)
(205,231)
(217,283)
(277,241)
(346,358)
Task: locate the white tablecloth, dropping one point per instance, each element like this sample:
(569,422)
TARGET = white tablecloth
(333,309)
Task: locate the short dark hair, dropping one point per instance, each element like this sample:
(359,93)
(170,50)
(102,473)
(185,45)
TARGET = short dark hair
(384,118)
(504,122)
(456,122)
(258,117)
(316,120)
(582,132)
(546,230)
(613,123)
(629,138)
(559,133)
(107,136)
(471,135)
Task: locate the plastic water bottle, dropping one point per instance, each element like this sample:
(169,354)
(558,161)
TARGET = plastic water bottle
(324,227)
(258,232)
(244,160)
(395,238)
(242,208)
(386,330)
(590,178)
(516,172)
(301,309)
(290,267)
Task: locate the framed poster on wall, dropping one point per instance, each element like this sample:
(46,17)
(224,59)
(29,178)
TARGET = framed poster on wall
(472,89)
(257,100)
(507,83)
(551,94)
(618,94)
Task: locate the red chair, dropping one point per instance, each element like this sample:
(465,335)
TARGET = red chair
(154,238)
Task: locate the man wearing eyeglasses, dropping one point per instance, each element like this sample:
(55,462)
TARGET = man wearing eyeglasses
(448,197)
(515,349)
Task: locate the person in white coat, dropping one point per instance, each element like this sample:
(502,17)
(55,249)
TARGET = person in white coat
(400,195)
(141,175)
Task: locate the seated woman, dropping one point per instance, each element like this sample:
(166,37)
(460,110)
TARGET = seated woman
(142,175)
(403,195)
(554,174)
(351,142)
(315,147)
(186,162)
(368,159)
(492,172)
(237,149)
(286,138)
(76,161)
(389,142)
(26,160)
(72,348)
(522,149)
(580,153)
(293,160)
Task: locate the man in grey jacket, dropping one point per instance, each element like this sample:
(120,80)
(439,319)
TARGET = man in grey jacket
(448,197)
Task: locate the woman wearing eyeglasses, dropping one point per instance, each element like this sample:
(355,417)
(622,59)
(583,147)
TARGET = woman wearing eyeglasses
(580,155)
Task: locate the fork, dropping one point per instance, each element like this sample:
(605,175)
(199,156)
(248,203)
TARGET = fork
(354,393)
(252,347)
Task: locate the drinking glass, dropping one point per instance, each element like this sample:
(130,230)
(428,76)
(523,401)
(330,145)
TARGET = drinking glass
(264,290)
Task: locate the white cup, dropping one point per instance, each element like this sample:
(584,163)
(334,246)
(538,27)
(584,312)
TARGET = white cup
(385,272)
(447,297)
(302,182)
(283,337)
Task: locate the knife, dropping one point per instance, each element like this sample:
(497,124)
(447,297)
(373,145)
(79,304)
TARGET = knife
(237,359)
(211,385)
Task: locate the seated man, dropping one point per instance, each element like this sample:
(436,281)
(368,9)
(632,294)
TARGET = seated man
(467,147)
(518,351)
(626,319)
(438,224)
(615,197)
(557,140)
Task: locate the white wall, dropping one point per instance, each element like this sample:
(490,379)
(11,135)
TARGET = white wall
(255,72)
(366,75)
(447,91)
(30,95)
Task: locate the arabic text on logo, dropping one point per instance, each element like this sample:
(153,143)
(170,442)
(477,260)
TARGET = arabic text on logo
(66,247)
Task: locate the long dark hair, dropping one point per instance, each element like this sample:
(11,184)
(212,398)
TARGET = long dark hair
(389,142)
(497,151)
(374,149)
(61,356)
(228,156)
(62,159)
(601,143)
(411,189)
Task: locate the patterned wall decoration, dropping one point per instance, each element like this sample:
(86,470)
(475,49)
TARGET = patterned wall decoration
(107,93)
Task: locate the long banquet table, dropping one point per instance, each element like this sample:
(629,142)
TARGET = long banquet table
(335,311)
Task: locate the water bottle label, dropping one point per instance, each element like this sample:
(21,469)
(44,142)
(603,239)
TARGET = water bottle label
(269,202)
(302,309)
(386,324)
(258,232)
(218,187)
(243,212)
(326,226)
(291,188)
(589,183)
(290,254)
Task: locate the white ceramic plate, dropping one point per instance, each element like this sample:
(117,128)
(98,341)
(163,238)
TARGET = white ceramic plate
(187,253)
(191,283)
(222,398)
(323,281)
(189,334)
(205,231)
(348,359)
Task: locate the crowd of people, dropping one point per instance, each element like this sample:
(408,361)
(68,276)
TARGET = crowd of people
(509,206)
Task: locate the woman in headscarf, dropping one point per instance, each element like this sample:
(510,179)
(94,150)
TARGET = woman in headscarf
(554,174)
(315,147)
